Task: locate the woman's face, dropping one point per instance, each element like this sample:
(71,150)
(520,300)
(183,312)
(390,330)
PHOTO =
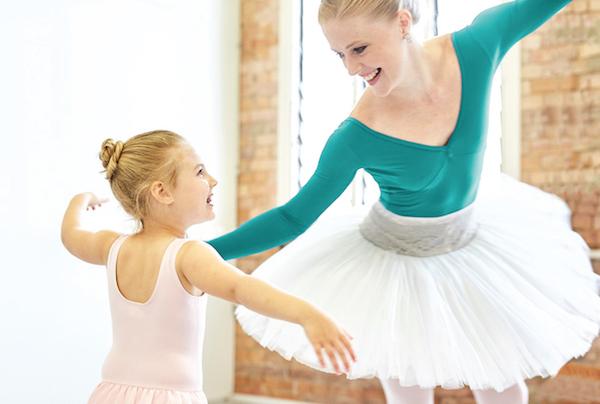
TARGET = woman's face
(373,49)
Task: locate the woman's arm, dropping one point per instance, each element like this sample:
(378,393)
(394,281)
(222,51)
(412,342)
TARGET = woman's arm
(86,245)
(206,270)
(337,165)
(497,29)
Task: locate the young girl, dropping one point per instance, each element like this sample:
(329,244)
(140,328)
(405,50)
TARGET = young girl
(438,288)
(158,280)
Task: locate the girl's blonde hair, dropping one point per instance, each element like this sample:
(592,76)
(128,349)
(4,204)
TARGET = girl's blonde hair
(375,9)
(133,166)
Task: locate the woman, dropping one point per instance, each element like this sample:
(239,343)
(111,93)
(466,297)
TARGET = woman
(438,289)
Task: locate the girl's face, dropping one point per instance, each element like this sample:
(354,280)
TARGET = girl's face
(193,192)
(373,49)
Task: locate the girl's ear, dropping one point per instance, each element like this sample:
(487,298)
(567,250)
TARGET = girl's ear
(160,193)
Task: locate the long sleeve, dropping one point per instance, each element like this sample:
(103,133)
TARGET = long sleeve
(399,171)
(336,169)
(498,28)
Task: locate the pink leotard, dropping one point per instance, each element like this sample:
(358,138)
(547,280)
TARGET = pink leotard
(156,344)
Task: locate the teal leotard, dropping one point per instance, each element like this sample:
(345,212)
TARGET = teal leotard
(414,179)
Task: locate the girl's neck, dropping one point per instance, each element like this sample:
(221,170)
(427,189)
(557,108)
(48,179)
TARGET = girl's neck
(158,229)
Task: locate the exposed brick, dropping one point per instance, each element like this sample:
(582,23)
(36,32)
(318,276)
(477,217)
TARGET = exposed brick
(562,111)
(544,85)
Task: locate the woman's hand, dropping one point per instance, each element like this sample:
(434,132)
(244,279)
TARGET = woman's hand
(325,335)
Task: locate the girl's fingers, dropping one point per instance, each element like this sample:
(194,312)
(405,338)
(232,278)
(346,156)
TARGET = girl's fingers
(334,360)
(342,354)
(346,342)
(319,352)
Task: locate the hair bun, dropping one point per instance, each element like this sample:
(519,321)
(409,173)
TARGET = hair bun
(110,155)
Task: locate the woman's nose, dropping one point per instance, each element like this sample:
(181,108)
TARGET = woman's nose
(352,66)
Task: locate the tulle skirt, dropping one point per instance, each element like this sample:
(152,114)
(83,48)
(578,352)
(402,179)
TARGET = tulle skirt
(518,300)
(114,393)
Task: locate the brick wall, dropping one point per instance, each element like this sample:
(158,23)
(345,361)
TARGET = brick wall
(561,154)
(561,112)
(258,115)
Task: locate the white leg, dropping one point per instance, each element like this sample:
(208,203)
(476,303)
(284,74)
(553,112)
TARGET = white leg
(396,394)
(516,394)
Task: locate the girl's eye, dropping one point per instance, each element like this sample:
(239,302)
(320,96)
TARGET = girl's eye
(360,49)
(200,172)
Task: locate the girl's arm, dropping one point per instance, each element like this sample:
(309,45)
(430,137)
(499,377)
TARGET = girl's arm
(86,245)
(204,268)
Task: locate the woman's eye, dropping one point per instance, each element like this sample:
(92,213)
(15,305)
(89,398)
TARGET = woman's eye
(340,55)
(360,49)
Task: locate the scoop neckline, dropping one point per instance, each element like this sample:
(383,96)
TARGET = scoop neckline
(456,126)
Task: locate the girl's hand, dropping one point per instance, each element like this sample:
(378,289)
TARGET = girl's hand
(204,268)
(87,245)
(324,334)
(94,200)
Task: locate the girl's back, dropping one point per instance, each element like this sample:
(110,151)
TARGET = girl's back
(157,341)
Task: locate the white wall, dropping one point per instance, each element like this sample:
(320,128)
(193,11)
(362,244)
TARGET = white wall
(72,73)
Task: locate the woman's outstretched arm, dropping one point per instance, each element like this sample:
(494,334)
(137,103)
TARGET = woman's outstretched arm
(337,165)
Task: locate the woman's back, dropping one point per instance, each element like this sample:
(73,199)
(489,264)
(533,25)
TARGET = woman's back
(156,343)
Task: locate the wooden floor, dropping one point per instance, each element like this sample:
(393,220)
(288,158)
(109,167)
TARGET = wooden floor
(250,399)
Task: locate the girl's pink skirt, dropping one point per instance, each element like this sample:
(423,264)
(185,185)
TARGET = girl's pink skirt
(113,393)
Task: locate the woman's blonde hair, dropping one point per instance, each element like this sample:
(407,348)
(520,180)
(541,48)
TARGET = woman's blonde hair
(131,168)
(375,9)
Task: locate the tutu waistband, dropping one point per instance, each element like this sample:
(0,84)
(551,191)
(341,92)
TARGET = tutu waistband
(419,236)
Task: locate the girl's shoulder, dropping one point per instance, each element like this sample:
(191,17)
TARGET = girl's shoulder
(96,247)
(194,251)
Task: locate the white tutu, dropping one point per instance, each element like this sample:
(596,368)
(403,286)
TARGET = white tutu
(518,301)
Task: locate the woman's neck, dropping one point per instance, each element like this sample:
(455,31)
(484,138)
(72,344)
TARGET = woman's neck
(420,84)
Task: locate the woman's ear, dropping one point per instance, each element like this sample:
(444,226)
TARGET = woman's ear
(160,193)
(404,21)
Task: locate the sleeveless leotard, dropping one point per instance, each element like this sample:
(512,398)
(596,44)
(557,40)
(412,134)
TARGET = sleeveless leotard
(157,345)
(415,180)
